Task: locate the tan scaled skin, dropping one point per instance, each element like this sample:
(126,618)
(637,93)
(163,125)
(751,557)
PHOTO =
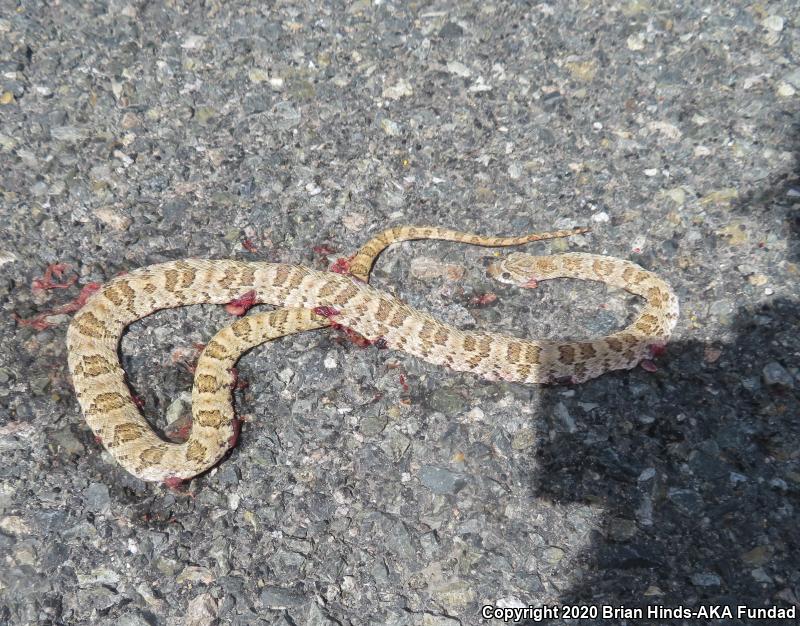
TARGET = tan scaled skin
(313,299)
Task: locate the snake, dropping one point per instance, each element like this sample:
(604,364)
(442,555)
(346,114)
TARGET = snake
(312,299)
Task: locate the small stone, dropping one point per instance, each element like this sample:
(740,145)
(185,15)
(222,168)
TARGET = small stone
(204,113)
(98,576)
(98,498)
(195,574)
(636,42)
(257,75)
(475,414)
(454,595)
(6,97)
(14,525)
(759,575)
(193,42)
(68,444)
(440,480)
(400,89)
(448,401)
(561,412)
(280,599)
(451,30)
(202,611)
(647,474)
(773,23)
(330,361)
(459,69)
(758,555)
(132,618)
(395,445)
(286,116)
(113,218)
(523,439)
(735,477)
(621,529)
(785,90)
(721,197)
(354,221)
(676,194)
(705,579)
(67,133)
(601,217)
(583,71)
(7,143)
(552,555)
(390,128)
(775,374)
(686,500)
(179,407)
(373,425)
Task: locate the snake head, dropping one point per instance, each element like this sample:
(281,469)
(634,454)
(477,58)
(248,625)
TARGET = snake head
(515,269)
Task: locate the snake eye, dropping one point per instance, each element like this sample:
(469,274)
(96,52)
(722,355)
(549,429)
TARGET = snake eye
(506,275)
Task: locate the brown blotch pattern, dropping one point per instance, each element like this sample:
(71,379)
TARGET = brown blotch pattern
(124,433)
(207,384)
(295,278)
(241,328)
(566,354)
(121,294)
(151,456)
(399,318)
(216,350)
(345,295)
(532,353)
(95,365)
(111,401)
(514,352)
(196,451)
(89,325)
(614,344)
(281,276)
(441,336)
(647,323)
(211,418)
(602,268)
(383,312)
(171,280)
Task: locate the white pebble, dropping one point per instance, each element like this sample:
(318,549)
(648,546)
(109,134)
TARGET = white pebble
(773,23)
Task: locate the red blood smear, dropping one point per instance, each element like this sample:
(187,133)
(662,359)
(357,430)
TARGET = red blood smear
(38,322)
(173,482)
(341,266)
(483,299)
(248,245)
(47,282)
(323,250)
(242,304)
(326,311)
(237,425)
